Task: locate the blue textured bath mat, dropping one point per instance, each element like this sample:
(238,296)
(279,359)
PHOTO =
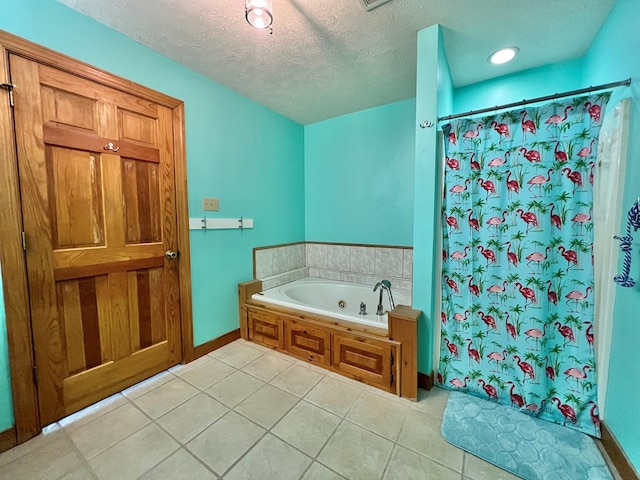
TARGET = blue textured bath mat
(526,446)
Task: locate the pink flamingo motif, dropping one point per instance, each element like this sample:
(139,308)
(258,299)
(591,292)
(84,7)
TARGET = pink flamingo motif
(594,111)
(567,412)
(585,152)
(532,156)
(497,357)
(452,347)
(576,374)
(458,317)
(444,255)
(489,255)
(443,318)
(537,257)
(569,255)
(439,378)
(458,189)
(473,223)
(473,163)
(452,221)
(512,258)
(502,129)
(496,290)
(512,185)
(538,181)
(452,138)
(511,329)
(556,221)
(534,408)
(527,125)
(452,284)
(526,368)
(488,185)
(473,353)
(495,222)
(453,163)
(551,373)
(472,134)
(559,155)
(488,320)
(529,218)
(528,294)
(498,161)
(490,390)
(551,295)
(557,119)
(589,335)
(566,331)
(536,335)
(457,383)
(458,255)
(575,296)
(580,219)
(516,399)
(574,176)
(473,288)
(591,173)
(595,418)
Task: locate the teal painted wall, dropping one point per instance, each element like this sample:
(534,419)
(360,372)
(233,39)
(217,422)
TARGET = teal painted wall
(613,56)
(535,82)
(433,99)
(6,402)
(359,176)
(256,172)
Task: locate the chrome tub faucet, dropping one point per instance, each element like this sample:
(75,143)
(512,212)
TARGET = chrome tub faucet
(384,285)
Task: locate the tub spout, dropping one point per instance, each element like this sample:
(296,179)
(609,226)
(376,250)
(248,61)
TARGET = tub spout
(384,285)
(380,310)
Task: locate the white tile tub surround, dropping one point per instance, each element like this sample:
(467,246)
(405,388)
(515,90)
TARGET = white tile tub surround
(361,264)
(317,255)
(348,263)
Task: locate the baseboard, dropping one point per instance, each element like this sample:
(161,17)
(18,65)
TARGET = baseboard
(617,455)
(425,380)
(216,343)
(8,439)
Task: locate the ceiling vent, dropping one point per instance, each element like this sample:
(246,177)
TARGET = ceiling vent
(371,4)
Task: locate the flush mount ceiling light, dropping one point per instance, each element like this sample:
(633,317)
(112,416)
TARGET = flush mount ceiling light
(259,13)
(503,55)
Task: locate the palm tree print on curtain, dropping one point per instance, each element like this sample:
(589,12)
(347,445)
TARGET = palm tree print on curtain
(517,290)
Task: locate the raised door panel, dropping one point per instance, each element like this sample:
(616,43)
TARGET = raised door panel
(265,328)
(308,343)
(364,359)
(97,183)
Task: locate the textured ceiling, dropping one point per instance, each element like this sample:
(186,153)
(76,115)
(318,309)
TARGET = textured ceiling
(330,57)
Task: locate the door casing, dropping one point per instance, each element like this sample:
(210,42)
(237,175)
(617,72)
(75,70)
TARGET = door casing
(12,258)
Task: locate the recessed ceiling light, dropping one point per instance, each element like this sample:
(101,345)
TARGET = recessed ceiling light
(504,55)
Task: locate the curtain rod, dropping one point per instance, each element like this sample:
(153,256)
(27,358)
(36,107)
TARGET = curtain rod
(571,93)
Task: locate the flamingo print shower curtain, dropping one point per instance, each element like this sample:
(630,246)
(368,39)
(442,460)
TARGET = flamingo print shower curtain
(517,290)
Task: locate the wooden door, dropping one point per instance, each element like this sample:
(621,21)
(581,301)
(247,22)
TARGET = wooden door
(98,202)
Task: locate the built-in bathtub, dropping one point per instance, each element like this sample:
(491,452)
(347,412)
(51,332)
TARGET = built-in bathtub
(332,298)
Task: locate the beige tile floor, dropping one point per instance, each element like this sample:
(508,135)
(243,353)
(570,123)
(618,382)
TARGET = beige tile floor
(245,412)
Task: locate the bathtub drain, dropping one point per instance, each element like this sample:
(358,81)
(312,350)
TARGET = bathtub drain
(342,304)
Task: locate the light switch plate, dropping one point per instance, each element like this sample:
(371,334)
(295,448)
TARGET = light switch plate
(210,204)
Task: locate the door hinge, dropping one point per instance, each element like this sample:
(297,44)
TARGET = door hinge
(24,241)
(9,88)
